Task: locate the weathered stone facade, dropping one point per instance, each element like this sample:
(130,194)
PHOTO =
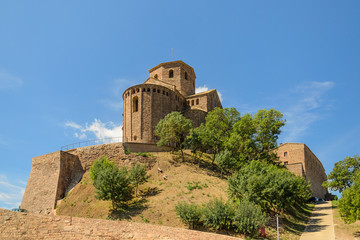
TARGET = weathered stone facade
(300,160)
(170,87)
(17,225)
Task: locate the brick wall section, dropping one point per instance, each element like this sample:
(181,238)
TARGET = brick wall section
(312,169)
(16,225)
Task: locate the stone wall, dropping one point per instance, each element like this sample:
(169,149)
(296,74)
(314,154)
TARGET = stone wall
(49,178)
(53,175)
(16,225)
(292,154)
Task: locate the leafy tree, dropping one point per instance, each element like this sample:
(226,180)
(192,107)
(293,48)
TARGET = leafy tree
(189,214)
(173,130)
(218,215)
(349,204)
(219,124)
(111,183)
(137,175)
(342,175)
(253,137)
(269,186)
(249,218)
(225,161)
(195,140)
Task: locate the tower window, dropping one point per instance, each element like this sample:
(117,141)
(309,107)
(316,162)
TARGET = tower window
(156,76)
(158,91)
(137,90)
(171,74)
(133,91)
(186,76)
(154,90)
(197,101)
(192,102)
(135,104)
(285,154)
(148,89)
(135,137)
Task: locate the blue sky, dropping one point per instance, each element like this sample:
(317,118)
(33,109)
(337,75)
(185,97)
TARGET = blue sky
(65,64)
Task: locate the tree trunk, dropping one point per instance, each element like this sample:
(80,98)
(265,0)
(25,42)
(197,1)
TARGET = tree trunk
(182,155)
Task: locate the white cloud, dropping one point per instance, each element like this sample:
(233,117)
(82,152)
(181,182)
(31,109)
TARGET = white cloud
(205,88)
(10,194)
(8,81)
(305,110)
(99,129)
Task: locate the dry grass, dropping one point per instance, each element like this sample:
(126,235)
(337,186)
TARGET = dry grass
(344,231)
(157,202)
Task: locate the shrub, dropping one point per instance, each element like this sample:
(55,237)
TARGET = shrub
(138,175)
(189,214)
(218,215)
(249,218)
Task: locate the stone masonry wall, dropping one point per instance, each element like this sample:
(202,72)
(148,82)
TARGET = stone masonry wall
(16,225)
(41,189)
(298,153)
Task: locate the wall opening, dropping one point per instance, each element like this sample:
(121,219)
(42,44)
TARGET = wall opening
(156,76)
(186,76)
(197,101)
(192,102)
(135,104)
(285,154)
(171,74)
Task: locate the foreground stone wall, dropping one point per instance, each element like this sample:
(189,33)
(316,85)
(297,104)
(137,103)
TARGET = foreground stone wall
(16,225)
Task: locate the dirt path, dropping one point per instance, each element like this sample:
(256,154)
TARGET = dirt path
(321,225)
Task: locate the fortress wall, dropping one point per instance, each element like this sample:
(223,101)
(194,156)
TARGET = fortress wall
(145,147)
(315,173)
(297,169)
(42,189)
(293,153)
(18,225)
(87,155)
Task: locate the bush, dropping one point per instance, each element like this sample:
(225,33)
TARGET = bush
(336,198)
(218,215)
(189,214)
(111,183)
(249,218)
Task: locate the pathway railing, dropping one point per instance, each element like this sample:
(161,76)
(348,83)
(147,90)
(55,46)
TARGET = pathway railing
(91,143)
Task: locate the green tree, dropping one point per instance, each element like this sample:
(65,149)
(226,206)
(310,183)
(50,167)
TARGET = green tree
(253,137)
(349,204)
(189,213)
(219,124)
(269,186)
(343,173)
(111,183)
(225,161)
(218,214)
(173,130)
(249,218)
(138,175)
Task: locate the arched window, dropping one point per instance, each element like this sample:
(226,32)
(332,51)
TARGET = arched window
(185,75)
(192,102)
(135,104)
(171,74)
(197,101)
(156,76)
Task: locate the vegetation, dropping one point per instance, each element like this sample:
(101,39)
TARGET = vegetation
(249,218)
(138,176)
(345,178)
(270,187)
(343,174)
(189,214)
(218,214)
(111,183)
(173,130)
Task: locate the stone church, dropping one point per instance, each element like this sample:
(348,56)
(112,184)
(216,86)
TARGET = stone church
(170,87)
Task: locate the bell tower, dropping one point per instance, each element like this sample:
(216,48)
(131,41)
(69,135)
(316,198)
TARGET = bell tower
(176,73)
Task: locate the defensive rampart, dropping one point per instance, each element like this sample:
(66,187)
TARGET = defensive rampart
(16,225)
(54,174)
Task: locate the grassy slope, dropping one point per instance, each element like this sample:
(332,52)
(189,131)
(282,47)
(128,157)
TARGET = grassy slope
(342,230)
(158,206)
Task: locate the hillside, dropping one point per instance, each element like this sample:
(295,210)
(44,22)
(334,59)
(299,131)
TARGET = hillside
(185,181)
